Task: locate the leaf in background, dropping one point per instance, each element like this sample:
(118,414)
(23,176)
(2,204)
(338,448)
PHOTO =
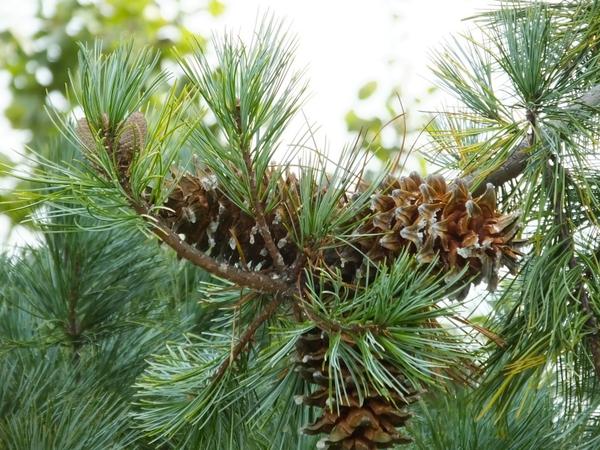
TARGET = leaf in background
(367,90)
(216,8)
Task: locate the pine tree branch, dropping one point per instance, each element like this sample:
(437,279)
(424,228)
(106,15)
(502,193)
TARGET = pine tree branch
(252,280)
(566,234)
(516,162)
(566,238)
(261,221)
(259,208)
(266,314)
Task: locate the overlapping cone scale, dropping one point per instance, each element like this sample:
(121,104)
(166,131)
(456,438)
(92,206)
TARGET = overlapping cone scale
(198,209)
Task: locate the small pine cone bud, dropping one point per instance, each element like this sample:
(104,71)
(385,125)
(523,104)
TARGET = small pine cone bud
(132,139)
(88,142)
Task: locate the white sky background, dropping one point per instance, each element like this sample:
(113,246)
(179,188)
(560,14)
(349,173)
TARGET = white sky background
(341,43)
(344,44)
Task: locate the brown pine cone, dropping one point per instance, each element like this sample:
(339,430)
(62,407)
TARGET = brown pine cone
(352,424)
(432,218)
(212,222)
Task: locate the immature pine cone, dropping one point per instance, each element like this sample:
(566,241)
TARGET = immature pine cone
(130,137)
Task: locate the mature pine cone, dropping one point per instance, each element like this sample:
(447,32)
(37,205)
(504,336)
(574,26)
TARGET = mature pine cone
(352,424)
(212,222)
(431,218)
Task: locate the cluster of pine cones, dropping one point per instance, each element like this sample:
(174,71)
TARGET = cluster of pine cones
(427,217)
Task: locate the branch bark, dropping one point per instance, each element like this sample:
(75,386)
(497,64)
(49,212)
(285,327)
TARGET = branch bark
(253,280)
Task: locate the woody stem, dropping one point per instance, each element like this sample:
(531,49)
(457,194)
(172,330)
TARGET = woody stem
(247,336)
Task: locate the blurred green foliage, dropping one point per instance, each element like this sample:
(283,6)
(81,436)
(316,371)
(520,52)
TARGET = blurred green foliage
(38,64)
(386,133)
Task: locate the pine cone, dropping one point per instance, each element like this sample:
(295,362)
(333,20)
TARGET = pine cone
(130,137)
(215,225)
(431,218)
(352,424)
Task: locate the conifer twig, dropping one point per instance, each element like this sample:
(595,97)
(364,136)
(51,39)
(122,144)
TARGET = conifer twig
(253,280)
(247,337)
(566,238)
(259,209)
(261,220)
(516,162)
